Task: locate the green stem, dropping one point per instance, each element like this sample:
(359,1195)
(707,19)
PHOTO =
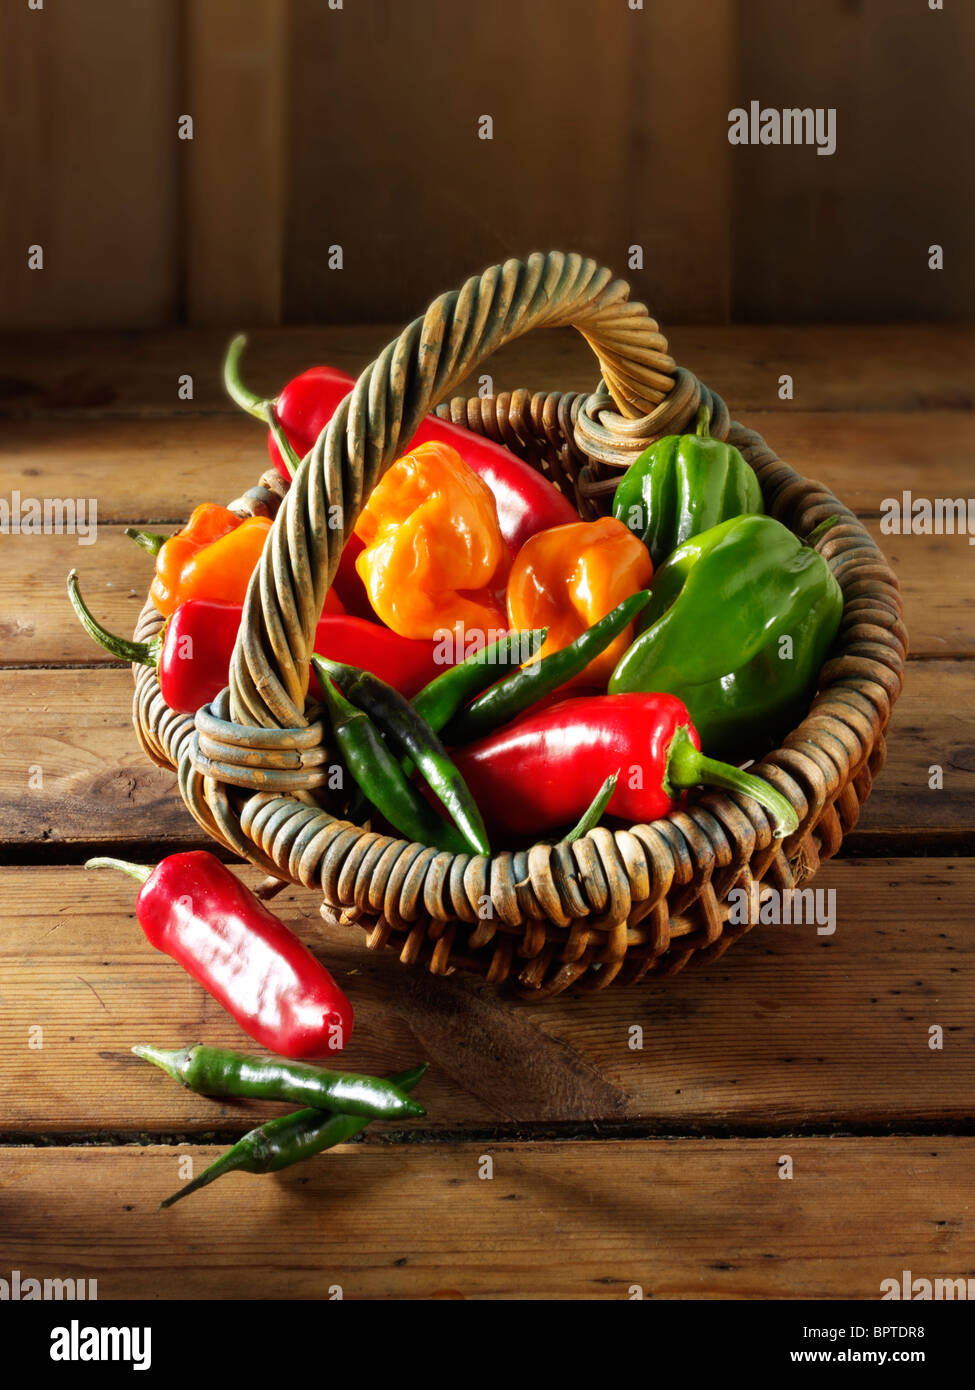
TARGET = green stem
(818,532)
(594,811)
(702,421)
(258,406)
(151,541)
(141,653)
(687,766)
(171,1062)
(136,871)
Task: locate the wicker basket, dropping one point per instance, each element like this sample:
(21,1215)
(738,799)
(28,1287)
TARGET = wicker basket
(615,905)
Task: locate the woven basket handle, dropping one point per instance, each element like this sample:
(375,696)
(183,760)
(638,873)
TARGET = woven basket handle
(269,669)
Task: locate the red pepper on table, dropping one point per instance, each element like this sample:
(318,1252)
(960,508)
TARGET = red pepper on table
(541,771)
(192,652)
(193,908)
(527,502)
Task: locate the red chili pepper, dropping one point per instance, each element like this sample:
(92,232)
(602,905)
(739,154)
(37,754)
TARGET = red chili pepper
(193,908)
(192,653)
(541,771)
(526,501)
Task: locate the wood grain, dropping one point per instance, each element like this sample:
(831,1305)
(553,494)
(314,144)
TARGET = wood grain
(235,62)
(88,105)
(861,368)
(608,1220)
(862,462)
(791,1029)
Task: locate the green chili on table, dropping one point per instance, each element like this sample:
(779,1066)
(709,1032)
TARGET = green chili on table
(214,1071)
(289,1139)
(511,696)
(396,717)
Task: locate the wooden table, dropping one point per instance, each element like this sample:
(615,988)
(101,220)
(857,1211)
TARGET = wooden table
(613,1168)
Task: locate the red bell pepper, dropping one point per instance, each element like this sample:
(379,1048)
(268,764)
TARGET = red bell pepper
(192,652)
(193,908)
(541,771)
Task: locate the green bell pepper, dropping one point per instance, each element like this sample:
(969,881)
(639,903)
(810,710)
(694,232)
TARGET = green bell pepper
(682,485)
(739,624)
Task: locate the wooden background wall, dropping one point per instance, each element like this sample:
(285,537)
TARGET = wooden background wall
(357,127)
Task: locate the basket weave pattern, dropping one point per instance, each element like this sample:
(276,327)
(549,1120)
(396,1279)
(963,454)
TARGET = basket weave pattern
(619,905)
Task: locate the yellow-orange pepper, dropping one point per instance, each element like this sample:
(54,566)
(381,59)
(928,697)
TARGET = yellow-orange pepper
(434,555)
(212,557)
(569,577)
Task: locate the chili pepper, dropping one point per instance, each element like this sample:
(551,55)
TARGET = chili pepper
(214,1071)
(375,769)
(192,652)
(517,692)
(532,775)
(447,693)
(193,908)
(682,485)
(397,718)
(433,551)
(288,1140)
(201,561)
(570,577)
(526,501)
(739,625)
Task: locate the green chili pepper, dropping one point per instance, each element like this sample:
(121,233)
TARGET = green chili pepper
(501,702)
(375,768)
(682,485)
(214,1071)
(741,619)
(396,717)
(289,1139)
(440,700)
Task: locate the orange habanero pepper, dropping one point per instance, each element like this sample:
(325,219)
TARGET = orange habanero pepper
(212,557)
(569,577)
(434,554)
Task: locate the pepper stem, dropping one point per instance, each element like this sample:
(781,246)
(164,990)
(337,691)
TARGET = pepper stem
(687,766)
(136,871)
(151,541)
(818,532)
(142,653)
(255,405)
(172,1063)
(702,421)
(592,815)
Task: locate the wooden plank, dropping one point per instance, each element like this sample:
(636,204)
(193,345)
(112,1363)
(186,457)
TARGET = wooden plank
(620,96)
(832,249)
(236,74)
(151,469)
(39,628)
(97,786)
(610,1220)
(88,106)
(834,367)
(791,1029)
(72,771)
